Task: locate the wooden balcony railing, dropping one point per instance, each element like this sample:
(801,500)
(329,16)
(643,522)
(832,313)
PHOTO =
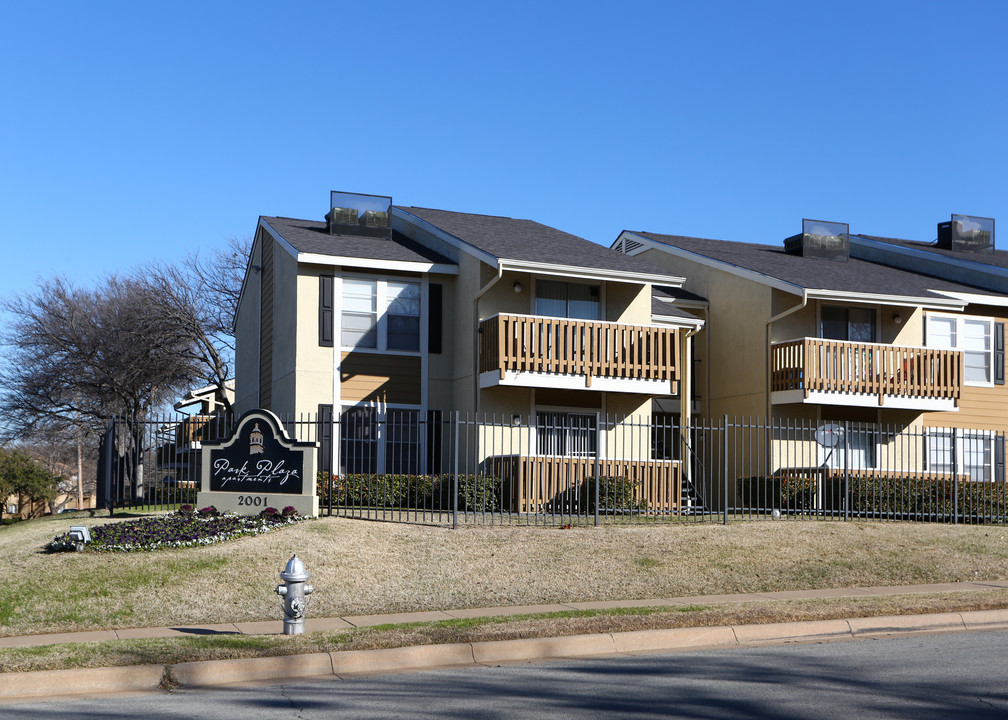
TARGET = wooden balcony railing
(815,365)
(525,343)
(563,484)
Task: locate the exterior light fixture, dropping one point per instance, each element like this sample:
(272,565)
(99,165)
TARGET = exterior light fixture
(516,420)
(517,287)
(897,318)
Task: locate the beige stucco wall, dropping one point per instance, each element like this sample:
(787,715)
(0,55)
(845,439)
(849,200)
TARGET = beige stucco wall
(734,336)
(314,373)
(247,338)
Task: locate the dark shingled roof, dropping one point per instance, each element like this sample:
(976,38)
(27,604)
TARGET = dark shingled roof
(857,276)
(998,258)
(309,236)
(528,241)
(660,307)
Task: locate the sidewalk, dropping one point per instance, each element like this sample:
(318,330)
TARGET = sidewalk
(217,672)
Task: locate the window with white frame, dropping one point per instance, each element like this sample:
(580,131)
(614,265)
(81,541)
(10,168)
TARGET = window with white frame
(964,452)
(380,314)
(855,451)
(564,434)
(374,440)
(972,335)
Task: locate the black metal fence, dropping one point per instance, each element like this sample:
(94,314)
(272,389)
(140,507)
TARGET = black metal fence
(586,468)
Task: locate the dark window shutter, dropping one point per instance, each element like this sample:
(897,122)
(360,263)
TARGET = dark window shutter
(434,322)
(325,314)
(999,354)
(999,458)
(325,436)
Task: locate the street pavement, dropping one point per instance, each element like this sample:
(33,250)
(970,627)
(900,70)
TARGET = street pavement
(17,686)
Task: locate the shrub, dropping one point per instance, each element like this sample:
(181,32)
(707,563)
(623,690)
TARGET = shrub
(477,493)
(615,495)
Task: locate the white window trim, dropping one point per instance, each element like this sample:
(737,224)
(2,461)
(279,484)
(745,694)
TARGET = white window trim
(381,309)
(960,320)
(961,437)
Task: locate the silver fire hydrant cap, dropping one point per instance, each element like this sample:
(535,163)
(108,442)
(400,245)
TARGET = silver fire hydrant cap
(295,571)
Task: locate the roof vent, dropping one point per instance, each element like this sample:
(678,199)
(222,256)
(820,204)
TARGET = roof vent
(967,233)
(356,214)
(830,240)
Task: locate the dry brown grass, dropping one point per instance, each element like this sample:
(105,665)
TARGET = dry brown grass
(361,567)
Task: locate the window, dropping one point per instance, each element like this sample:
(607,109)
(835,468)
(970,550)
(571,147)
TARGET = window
(666,436)
(974,336)
(373,441)
(964,452)
(856,451)
(841,323)
(380,314)
(358,441)
(566,434)
(360,313)
(567,300)
(403,316)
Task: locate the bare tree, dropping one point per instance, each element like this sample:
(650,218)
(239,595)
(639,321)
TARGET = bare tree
(77,357)
(200,298)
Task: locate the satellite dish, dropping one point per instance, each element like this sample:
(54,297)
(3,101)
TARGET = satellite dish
(829,435)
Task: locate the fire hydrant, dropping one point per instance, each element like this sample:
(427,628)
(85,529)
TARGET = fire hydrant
(294,595)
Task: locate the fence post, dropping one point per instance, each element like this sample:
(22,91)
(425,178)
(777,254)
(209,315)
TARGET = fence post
(724,467)
(456,480)
(846,470)
(598,460)
(955,479)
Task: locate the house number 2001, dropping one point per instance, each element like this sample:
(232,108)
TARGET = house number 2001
(252,500)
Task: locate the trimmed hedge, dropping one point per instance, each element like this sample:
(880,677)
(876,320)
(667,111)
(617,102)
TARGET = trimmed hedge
(873,495)
(477,493)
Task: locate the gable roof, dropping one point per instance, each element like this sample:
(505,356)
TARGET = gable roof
(997,258)
(818,276)
(528,245)
(311,239)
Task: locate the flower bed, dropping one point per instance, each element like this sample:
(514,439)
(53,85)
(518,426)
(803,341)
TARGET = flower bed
(184,528)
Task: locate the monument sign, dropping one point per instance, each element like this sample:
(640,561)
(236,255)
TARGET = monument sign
(259,467)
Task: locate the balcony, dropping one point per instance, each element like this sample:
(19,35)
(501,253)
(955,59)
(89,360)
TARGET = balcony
(836,372)
(531,351)
(565,484)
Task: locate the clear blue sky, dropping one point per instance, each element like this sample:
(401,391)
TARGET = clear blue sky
(132,131)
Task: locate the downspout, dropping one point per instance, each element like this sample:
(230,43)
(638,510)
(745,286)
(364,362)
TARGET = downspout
(481,293)
(771,321)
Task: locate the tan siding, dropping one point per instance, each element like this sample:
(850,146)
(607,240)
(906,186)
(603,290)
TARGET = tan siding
(374,376)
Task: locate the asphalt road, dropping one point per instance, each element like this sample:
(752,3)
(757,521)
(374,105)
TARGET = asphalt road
(961,675)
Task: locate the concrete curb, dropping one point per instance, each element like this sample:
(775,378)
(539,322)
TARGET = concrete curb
(55,683)
(95,681)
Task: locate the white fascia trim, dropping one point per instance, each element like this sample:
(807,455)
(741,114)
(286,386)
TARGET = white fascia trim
(373,264)
(599,274)
(890,402)
(455,242)
(666,321)
(975,299)
(699,259)
(492,378)
(879,298)
(971,265)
